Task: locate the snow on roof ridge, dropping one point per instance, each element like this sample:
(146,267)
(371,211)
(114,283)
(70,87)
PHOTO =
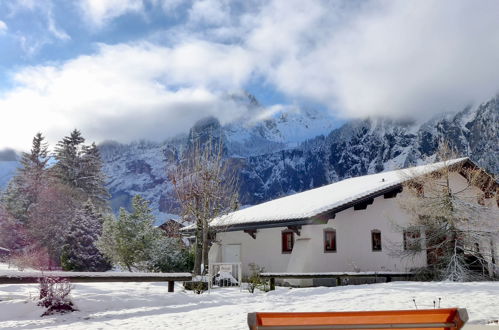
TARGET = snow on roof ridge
(327,197)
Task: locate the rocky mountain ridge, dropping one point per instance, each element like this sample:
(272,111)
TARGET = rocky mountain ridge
(280,151)
(274,165)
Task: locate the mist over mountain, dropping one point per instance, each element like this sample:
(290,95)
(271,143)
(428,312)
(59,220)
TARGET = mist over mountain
(280,151)
(292,151)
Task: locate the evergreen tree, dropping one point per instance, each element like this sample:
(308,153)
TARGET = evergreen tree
(80,252)
(68,154)
(92,178)
(129,240)
(24,188)
(80,167)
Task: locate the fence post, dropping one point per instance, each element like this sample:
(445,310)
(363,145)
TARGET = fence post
(240,276)
(171,285)
(272,284)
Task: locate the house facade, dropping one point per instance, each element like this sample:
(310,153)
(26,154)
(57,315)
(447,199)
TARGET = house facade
(355,225)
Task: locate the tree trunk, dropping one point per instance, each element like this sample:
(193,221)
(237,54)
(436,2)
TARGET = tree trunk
(206,247)
(199,248)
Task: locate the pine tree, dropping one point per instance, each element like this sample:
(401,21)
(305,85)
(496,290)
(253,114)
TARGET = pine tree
(24,188)
(80,167)
(68,155)
(92,178)
(129,240)
(80,252)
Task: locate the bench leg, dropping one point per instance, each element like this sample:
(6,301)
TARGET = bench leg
(272,284)
(170,286)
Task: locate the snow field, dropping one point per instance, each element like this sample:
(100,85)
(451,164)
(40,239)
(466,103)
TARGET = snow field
(150,306)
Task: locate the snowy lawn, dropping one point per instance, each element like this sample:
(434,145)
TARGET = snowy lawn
(150,306)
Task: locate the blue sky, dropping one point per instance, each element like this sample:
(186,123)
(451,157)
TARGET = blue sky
(129,69)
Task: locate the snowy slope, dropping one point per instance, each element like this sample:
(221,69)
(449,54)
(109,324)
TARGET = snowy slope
(150,306)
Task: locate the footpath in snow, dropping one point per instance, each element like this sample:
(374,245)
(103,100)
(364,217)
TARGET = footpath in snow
(150,306)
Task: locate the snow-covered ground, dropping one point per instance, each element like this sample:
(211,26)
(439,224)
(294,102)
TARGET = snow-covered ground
(150,306)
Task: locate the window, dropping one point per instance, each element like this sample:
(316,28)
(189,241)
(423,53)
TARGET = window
(412,240)
(376,240)
(287,241)
(329,240)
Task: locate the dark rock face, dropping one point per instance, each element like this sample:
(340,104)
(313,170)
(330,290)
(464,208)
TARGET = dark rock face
(359,147)
(369,146)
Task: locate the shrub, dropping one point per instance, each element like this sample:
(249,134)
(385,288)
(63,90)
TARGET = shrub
(255,280)
(54,295)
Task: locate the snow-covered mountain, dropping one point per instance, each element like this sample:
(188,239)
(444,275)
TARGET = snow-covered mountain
(281,154)
(281,151)
(141,167)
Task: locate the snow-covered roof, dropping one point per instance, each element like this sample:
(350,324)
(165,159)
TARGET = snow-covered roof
(317,201)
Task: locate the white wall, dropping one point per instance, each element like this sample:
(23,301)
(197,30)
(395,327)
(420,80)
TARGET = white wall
(353,243)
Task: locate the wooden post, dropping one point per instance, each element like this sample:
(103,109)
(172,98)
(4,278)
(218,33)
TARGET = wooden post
(272,284)
(171,286)
(338,282)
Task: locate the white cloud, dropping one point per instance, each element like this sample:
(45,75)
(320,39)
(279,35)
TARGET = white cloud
(396,58)
(100,12)
(357,58)
(3,27)
(123,92)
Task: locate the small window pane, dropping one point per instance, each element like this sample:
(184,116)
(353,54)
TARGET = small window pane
(376,240)
(330,240)
(412,240)
(287,241)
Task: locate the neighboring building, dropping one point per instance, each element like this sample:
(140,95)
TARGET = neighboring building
(171,228)
(349,226)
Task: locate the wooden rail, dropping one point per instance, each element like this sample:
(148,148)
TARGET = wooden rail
(334,275)
(434,319)
(19,277)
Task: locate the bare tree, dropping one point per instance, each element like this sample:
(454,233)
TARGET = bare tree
(455,222)
(206,187)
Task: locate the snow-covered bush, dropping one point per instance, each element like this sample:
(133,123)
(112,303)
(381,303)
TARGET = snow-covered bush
(255,280)
(133,242)
(169,255)
(54,295)
(80,253)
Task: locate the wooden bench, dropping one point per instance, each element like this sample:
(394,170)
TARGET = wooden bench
(18,277)
(434,319)
(338,276)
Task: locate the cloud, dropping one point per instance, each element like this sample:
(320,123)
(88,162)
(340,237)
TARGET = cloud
(100,12)
(3,27)
(370,58)
(395,58)
(123,92)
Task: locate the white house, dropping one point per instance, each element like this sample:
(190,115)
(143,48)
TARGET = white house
(348,226)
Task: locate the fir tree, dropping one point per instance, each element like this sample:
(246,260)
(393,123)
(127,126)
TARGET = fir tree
(24,188)
(92,178)
(129,240)
(68,155)
(80,252)
(80,167)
